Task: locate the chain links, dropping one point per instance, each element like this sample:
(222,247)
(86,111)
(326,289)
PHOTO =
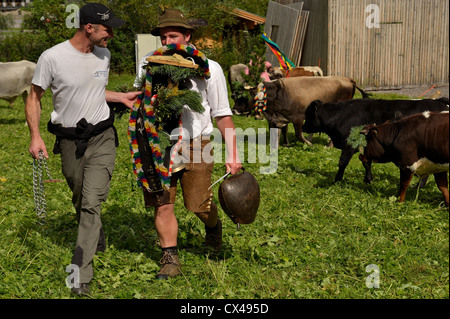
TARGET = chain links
(40,203)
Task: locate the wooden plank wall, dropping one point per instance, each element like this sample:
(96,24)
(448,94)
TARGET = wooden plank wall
(296,40)
(299,38)
(410,48)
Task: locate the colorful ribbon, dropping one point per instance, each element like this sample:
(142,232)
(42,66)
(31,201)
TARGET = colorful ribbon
(285,63)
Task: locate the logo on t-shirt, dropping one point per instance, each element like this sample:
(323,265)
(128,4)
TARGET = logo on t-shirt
(100,74)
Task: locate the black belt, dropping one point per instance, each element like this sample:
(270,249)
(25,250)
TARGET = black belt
(81,133)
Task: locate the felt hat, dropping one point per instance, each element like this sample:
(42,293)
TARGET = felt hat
(172,18)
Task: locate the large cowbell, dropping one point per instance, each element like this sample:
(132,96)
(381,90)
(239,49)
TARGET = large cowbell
(239,197)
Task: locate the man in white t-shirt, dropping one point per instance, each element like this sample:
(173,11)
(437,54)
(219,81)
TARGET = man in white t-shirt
(76,71)
(195,178)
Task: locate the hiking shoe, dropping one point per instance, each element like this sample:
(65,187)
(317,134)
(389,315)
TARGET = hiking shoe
(213,236)
(171,266)
(83,290)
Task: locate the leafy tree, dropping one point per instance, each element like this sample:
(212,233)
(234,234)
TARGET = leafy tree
(258,7)
(49,18)
(5,22)
(48,24)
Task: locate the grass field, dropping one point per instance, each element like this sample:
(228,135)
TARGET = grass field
(312,239)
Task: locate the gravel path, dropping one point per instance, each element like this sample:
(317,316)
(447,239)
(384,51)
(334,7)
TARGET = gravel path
(418,91)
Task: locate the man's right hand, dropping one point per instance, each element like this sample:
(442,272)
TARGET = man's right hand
(33,115)
(36,146)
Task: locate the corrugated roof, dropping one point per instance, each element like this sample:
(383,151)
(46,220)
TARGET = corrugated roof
(249,16)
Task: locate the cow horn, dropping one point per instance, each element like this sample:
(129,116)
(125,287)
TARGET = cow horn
(364,131)
(369,127)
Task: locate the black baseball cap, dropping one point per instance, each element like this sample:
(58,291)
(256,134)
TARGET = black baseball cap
(97,13)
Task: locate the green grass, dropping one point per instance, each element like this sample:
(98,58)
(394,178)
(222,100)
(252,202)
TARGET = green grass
(311,238)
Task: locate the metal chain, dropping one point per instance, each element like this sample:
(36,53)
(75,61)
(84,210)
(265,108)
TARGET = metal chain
(40,203)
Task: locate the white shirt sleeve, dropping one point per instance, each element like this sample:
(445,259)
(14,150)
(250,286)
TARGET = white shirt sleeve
(141,72)
(43,73)
(217,92)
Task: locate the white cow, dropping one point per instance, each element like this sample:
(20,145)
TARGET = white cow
(15,80)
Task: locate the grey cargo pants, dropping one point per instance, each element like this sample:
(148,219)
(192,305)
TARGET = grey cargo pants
(89,179)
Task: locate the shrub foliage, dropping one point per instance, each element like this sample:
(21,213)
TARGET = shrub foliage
(45,26)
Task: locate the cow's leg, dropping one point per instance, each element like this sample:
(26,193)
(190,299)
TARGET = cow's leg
(25,96)
(277,142)
(11,101)
(422,182)
(298,125)
(405,178)
(330,143)
(345,158)
(442,184)
(368,168)
(284,131)
(258,116)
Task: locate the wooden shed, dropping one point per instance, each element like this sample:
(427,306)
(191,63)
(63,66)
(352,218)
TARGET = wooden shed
(245,21)
(382,44)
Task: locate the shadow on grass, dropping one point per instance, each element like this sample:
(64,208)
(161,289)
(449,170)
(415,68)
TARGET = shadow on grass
(11,121)
(325,179)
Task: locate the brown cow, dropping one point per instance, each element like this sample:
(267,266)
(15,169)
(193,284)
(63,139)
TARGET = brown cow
(417,144)
(288,98)
(278,73)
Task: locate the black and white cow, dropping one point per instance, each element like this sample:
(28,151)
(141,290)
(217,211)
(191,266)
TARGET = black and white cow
(337,120)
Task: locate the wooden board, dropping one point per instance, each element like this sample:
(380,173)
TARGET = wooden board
(175,59)
(280,27)
(299,38)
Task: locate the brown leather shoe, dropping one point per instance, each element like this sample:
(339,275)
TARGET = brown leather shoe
(213,236)
(171,266)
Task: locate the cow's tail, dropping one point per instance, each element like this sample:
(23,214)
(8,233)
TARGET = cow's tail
(364,94)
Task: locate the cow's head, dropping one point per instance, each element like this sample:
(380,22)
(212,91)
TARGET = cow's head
(265,92)
(243,101)
(374,150)
(275,73)
(312,122)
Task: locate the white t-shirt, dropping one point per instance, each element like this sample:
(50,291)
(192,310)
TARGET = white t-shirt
(77,81)
(214,100)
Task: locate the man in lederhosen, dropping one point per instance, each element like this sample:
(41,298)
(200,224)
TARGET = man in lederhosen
(195,177)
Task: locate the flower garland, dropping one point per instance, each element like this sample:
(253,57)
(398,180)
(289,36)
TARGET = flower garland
(149,122)
(261,98)
(153,138)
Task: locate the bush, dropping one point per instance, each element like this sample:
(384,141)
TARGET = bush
(23,46)
(48,19)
